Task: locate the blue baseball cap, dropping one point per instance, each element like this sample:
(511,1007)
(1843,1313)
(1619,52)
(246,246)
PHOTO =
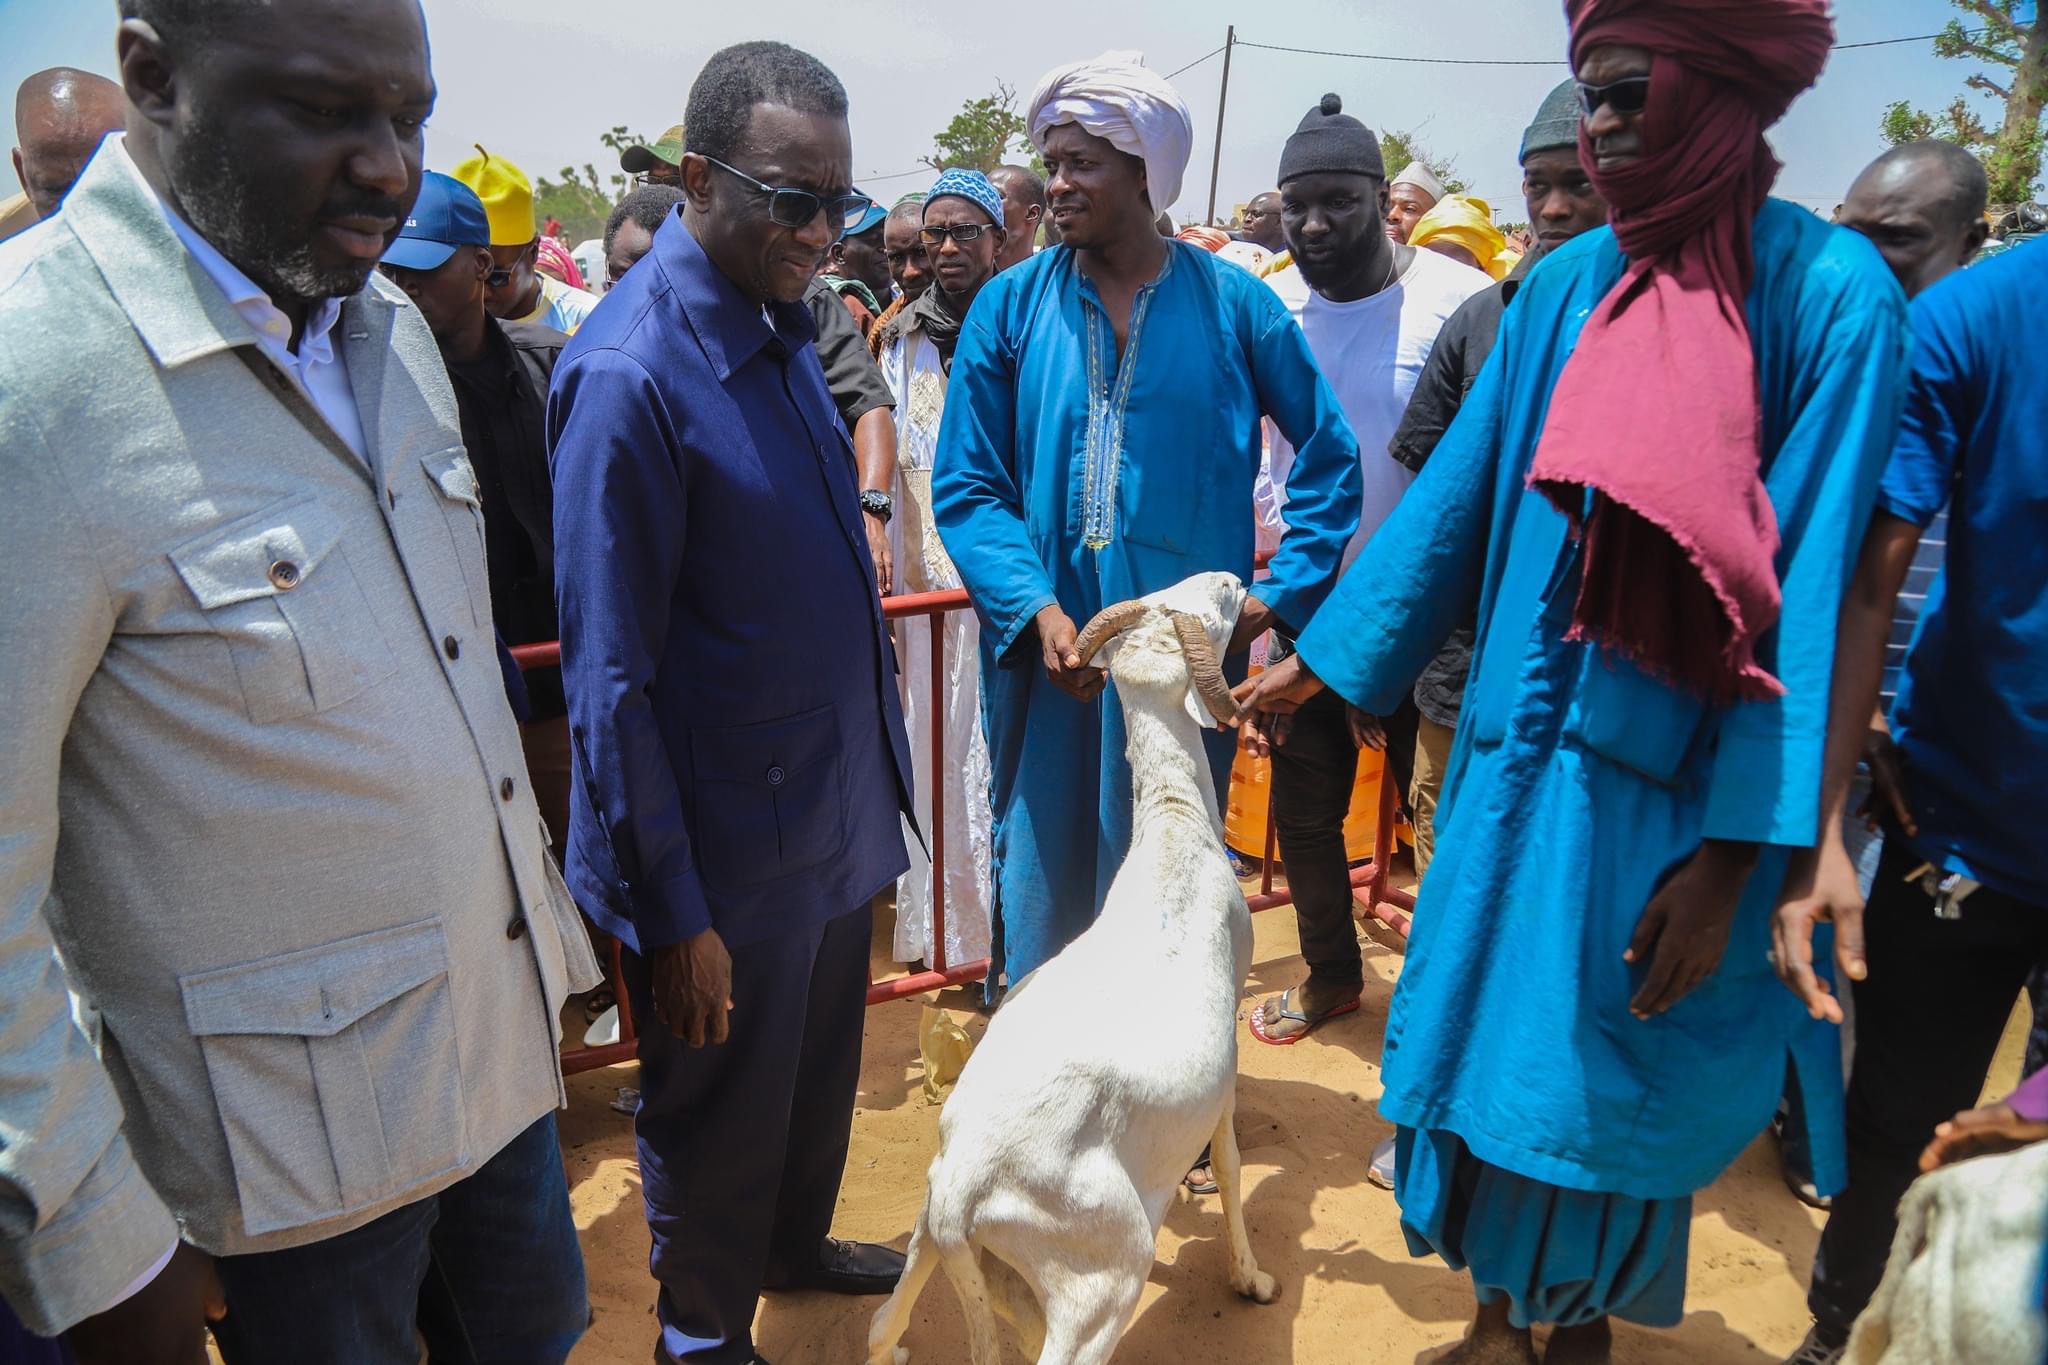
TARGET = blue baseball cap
(446,216)
(868,221)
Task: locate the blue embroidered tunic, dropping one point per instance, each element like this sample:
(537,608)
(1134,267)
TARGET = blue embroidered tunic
(1067,473)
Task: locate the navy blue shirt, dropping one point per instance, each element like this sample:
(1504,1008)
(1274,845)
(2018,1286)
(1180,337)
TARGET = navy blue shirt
(1972,710)
(740,760)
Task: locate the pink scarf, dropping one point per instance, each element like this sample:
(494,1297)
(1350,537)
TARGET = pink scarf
(1656,411)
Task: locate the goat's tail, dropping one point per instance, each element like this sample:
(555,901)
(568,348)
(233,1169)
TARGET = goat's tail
(893,1318)
(963,1268)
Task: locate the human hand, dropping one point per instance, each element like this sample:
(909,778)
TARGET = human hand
(1056,636)
(1254,620)
(1268,700)
(1887,783)
(1684,930)
(1367,731)
(693,988)
(878,550)
(162,1323)
(1820,886)
(1980,1132)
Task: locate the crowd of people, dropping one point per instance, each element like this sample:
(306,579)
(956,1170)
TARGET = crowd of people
(1598,531)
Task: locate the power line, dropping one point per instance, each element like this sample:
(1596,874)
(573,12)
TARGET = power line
(1198,61)
(1524,61)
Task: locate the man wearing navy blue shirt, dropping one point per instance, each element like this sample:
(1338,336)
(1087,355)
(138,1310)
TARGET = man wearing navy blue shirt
(740,754)
(1958,912)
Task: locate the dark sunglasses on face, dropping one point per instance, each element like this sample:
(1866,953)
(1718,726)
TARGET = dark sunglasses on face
(1626,96)
(963,233)
(800,208)
(497,279)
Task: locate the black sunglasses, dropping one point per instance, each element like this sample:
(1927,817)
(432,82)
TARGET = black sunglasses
(963,233)
(800,208)
(1627,96)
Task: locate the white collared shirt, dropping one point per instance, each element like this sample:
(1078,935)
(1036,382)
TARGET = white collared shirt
(317,364)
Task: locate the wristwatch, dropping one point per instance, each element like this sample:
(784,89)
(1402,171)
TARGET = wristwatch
(876,503)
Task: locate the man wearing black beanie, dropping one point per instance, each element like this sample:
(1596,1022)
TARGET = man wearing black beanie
(1371,310)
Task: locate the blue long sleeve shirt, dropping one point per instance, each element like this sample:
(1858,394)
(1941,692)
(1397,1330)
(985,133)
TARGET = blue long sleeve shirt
(740,759)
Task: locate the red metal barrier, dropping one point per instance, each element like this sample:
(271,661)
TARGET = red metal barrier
(1383,901)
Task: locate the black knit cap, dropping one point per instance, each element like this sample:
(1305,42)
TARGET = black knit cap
(1328,139)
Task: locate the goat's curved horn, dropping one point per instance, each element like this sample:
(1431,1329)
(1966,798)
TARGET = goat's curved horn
(1111,621)
(1203,671)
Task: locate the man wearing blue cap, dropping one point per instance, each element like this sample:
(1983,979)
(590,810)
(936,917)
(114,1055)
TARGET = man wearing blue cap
(500,371)
(857,269)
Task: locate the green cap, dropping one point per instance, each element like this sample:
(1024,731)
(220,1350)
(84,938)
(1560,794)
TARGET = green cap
(668,149)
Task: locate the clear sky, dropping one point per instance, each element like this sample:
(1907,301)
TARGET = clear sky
(537,80)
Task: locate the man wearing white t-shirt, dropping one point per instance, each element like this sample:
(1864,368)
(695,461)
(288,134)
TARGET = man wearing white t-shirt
(1371,310)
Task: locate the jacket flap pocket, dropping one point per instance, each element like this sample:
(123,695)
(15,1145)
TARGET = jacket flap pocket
(262,555)
(765,754)
(452,474)
(315,992)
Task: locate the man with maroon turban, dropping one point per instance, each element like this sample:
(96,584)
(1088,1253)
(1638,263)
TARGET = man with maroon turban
(1651,499)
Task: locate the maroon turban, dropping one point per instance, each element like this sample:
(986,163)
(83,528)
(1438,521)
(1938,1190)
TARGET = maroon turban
(1656,411)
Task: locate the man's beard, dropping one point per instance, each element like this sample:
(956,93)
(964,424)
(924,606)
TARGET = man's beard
(252,226)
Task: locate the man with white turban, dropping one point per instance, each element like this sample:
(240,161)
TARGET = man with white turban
(1100,442)
(1412,193)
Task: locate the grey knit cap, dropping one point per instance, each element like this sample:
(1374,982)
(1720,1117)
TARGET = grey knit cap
(1556,124)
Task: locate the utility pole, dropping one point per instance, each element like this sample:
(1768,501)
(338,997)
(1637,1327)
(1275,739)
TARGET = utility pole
(1222,103)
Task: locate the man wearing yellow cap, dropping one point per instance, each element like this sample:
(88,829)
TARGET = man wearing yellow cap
(514,290)
(1461,227)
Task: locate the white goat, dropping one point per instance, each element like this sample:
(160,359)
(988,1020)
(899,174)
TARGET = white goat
(1063,1143)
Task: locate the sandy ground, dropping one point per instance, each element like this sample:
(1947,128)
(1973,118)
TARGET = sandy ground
(1349,1290)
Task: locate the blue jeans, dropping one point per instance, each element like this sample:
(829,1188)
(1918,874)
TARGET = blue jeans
(487,1272)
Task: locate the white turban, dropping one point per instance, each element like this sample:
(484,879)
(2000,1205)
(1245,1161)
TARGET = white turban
(1117,98)
(1420,177)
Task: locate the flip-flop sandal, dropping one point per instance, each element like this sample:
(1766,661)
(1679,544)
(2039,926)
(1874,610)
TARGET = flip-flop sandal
(1287,1012)
(1202,1163)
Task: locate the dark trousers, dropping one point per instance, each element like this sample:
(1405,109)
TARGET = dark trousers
(487,1271)
(1313,774)
(1928,1019)
(742,1145)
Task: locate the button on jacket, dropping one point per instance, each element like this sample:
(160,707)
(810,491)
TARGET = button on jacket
(269,807)
(740,756)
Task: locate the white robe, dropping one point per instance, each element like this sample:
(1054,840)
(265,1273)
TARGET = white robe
(911,366)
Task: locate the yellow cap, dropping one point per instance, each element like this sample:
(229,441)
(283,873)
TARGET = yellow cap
(507,196)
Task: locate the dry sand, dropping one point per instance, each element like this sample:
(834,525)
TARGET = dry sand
(1349,1290)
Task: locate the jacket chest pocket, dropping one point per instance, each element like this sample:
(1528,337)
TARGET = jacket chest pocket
(335,1073)
(770,801)
(278,588)
(460,499)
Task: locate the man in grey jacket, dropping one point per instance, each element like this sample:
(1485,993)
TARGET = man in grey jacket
(262,789)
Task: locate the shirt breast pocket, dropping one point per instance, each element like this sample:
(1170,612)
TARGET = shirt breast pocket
(462,510)
(770,802)
(1629,718)
(278,589)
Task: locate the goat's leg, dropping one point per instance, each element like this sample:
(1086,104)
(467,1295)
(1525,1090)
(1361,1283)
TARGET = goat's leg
(1086,1318)
(963,1268)
(1016,1303)
(1245,1276)
(893,1317)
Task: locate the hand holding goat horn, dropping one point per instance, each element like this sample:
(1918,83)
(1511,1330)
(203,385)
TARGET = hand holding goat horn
(1266,697)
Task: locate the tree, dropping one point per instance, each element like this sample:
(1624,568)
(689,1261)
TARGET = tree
(582,199)
(1399,148)
(982,135)
(2011,40)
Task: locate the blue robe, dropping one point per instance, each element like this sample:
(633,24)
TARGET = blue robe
(1066,476)
(1557,1139)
